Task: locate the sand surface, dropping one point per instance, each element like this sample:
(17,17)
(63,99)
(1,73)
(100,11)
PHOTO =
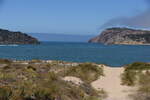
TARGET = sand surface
(74,80)
(111,83)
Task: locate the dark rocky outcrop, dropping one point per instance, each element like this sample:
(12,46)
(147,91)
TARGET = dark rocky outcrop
(122,36)
(8,37)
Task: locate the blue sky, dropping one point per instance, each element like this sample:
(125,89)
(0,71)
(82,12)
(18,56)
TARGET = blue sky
(65,16)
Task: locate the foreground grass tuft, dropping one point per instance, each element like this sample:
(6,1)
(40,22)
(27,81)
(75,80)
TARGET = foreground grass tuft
(132,72)
(138,75)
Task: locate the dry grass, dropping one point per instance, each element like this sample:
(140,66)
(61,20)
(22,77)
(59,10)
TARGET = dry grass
(41,82)
(138,74)
(87,72)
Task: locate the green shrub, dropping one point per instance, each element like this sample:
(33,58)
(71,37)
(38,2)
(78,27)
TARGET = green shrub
(138,66)
(5,61)
(5,93)
(43,94)
(143,92)
(129,78)
(132,72)
(87,72)
(32,68)
(52,76)
(138,74)
(6,67)
(144,83)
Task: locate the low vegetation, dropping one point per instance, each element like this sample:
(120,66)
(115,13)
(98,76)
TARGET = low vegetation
(87,72)
(133,71)
(138,75)
(143,91)
(40,80)
(138,66)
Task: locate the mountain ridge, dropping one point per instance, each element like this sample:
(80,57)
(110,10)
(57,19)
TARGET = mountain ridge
(119,35)
(10,37)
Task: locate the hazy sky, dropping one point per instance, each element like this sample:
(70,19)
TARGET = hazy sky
(65,16)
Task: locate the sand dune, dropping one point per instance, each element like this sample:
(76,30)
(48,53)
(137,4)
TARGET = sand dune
(111,83)
(74,80)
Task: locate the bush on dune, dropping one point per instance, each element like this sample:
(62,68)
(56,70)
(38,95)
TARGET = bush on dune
(129,78)
(138,74)
(132,72)
(87,72)
(5,93)
(5,61)
(143,92)
(138,66)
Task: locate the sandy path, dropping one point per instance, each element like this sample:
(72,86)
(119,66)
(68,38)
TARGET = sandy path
(111,83)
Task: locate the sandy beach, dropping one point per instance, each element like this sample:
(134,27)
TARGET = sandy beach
(111,83)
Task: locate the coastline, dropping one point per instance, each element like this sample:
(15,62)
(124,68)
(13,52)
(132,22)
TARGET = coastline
(130,44)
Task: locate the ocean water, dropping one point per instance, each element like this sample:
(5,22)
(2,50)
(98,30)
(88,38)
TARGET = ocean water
(112,55)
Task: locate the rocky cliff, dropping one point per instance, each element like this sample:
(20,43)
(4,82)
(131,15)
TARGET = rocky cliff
(8,37)
(122,36)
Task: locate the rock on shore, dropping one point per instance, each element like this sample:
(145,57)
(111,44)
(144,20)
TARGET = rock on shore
(122,36)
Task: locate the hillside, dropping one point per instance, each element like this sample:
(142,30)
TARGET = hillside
(9,37)
(122,36)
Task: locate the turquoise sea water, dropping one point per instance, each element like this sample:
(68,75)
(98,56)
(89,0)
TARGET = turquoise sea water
(113,55)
